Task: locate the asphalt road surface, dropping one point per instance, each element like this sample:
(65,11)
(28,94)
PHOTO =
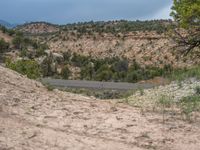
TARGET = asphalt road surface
(95,84)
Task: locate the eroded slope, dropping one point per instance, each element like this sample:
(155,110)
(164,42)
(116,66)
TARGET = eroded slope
(32,117)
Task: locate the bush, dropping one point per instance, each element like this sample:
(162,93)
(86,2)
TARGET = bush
(23,53)
(133,76)
(79,60)
(87,72)
(25,67)
(182,74)
(105,75)
(189,105)
(11,32)
(116,69)
(165,102)
(40,52)
(197,90)
(17,42)
(3,45)
(49,87)
(46,67)
(67,55)
(120,66)
(65,73)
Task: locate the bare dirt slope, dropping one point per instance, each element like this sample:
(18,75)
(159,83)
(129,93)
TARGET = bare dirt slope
(33,118)
(6,37)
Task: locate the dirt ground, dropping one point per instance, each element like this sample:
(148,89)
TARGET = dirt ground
(33,118)
(6,37)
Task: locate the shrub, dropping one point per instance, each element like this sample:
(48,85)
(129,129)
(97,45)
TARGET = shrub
(25,67)
(49,87)
(189,105)
(197,90)
(11,32)
(133,76)
(87,72)
(182,74)
(109,69)
(17,42)
(164,102)
(3,45)
(23,53)
(105,75)
(120,66)
(46,67)
(79,60)
(40,52)
(67,55)
(65,73)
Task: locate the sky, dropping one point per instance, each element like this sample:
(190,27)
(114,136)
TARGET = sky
(70,11)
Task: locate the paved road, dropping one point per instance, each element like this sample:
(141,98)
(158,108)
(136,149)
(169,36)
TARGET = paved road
(96,85)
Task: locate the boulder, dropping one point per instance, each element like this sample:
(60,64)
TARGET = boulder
(57,57)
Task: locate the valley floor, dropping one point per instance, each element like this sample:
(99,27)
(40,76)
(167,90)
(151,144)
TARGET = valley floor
(33,118)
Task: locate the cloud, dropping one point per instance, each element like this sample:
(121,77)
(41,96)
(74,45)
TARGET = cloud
(163,13)
(66,11)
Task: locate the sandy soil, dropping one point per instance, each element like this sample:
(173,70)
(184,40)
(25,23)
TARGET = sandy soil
(33,118)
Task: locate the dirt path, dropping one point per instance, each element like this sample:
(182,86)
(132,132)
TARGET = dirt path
(33,118)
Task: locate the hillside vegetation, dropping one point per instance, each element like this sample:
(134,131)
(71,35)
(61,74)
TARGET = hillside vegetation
(128,51)
(147,42)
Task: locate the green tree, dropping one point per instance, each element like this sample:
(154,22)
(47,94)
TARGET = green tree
(187,14)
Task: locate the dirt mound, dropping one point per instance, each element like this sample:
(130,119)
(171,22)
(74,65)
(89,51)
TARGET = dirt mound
(31,117)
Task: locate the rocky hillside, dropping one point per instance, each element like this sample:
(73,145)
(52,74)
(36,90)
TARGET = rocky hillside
(147,48)
(38,28)
(31,117)
(146,42)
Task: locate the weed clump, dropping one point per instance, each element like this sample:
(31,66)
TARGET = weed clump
(190,105)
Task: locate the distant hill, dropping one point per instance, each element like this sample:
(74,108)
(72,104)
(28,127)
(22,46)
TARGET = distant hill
(7,24)
(38,28)
(146,42)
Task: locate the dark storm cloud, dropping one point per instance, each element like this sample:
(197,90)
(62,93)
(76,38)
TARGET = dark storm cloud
(65,11)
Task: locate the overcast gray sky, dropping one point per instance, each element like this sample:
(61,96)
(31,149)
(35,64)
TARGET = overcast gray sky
(69,11)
